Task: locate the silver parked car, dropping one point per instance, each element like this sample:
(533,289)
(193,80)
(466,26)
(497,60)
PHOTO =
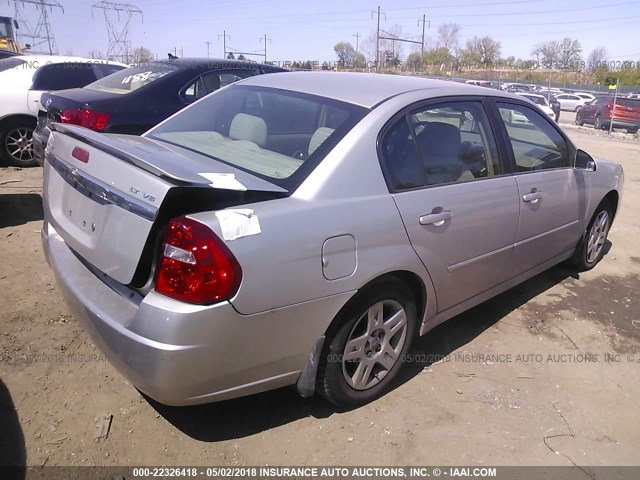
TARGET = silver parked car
(303,228)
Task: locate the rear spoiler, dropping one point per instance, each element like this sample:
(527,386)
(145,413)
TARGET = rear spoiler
(166,162)
(119,150)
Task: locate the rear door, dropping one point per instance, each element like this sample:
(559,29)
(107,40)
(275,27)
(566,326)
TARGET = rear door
(548,189)
(460,209)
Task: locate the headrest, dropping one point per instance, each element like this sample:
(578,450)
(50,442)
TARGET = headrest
(440,139)
(318,138)
(250,128)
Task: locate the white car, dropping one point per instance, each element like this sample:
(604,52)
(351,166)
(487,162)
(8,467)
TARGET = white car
(585,95)
(541,102)
(571,101)
(23,79)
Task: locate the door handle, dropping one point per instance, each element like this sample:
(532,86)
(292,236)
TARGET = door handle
(532,197)
(435,219)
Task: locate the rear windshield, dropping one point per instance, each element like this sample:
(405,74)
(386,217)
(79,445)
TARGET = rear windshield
(132,78)
(104,70)
(274,134)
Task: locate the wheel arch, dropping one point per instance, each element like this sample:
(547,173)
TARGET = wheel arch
(613,197)
(17,117)
(410,279)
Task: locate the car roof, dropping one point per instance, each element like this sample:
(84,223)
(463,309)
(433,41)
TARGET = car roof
(211,62)
(50,59)
(365,89)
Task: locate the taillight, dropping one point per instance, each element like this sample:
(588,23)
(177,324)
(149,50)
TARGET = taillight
(85,118)
(195,265)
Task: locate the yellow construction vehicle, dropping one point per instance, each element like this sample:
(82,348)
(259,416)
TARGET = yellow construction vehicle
(8,42)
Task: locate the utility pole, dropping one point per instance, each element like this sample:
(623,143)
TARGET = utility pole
(378,38)
(265,39)
(615,101)
(208,44)
(378,42)
(224,42)
(357,35)
(424,22)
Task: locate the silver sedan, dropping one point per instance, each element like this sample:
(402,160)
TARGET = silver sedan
(303,228)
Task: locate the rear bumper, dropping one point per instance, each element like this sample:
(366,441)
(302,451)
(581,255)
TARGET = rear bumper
(181,354)
(620,123)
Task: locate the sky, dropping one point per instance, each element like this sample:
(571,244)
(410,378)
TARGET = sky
(306,30)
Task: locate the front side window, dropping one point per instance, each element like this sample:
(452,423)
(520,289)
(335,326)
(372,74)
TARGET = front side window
(444,143)
(268,132)
(536,144)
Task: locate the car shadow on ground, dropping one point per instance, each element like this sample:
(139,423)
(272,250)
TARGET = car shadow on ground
(20,208)
(12,446)
(246,416)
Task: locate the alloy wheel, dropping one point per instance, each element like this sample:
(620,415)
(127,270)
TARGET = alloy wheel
(374,344)
(597,236)
(598,123)
(19,144)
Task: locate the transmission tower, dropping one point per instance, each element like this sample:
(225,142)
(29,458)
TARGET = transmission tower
(40,38)
(118,29)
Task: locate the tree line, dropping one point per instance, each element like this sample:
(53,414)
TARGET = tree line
(446,52)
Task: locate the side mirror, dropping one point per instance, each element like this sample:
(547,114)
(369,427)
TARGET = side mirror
(584,161)
(15,24)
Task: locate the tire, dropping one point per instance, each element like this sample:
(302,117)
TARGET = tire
(16,143)
(353,376)
(597,123)
(579,120)
(632,130)
(590,249)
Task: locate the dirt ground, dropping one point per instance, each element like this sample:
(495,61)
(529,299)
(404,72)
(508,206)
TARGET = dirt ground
(545,374)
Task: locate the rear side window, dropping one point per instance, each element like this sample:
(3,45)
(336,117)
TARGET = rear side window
(275,134)
(60,76)
(536,144)
(444,143)
(132,78)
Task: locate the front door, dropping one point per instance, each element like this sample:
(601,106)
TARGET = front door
(548,189)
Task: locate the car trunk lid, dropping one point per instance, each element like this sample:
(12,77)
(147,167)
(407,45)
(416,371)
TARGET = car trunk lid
(109,196)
